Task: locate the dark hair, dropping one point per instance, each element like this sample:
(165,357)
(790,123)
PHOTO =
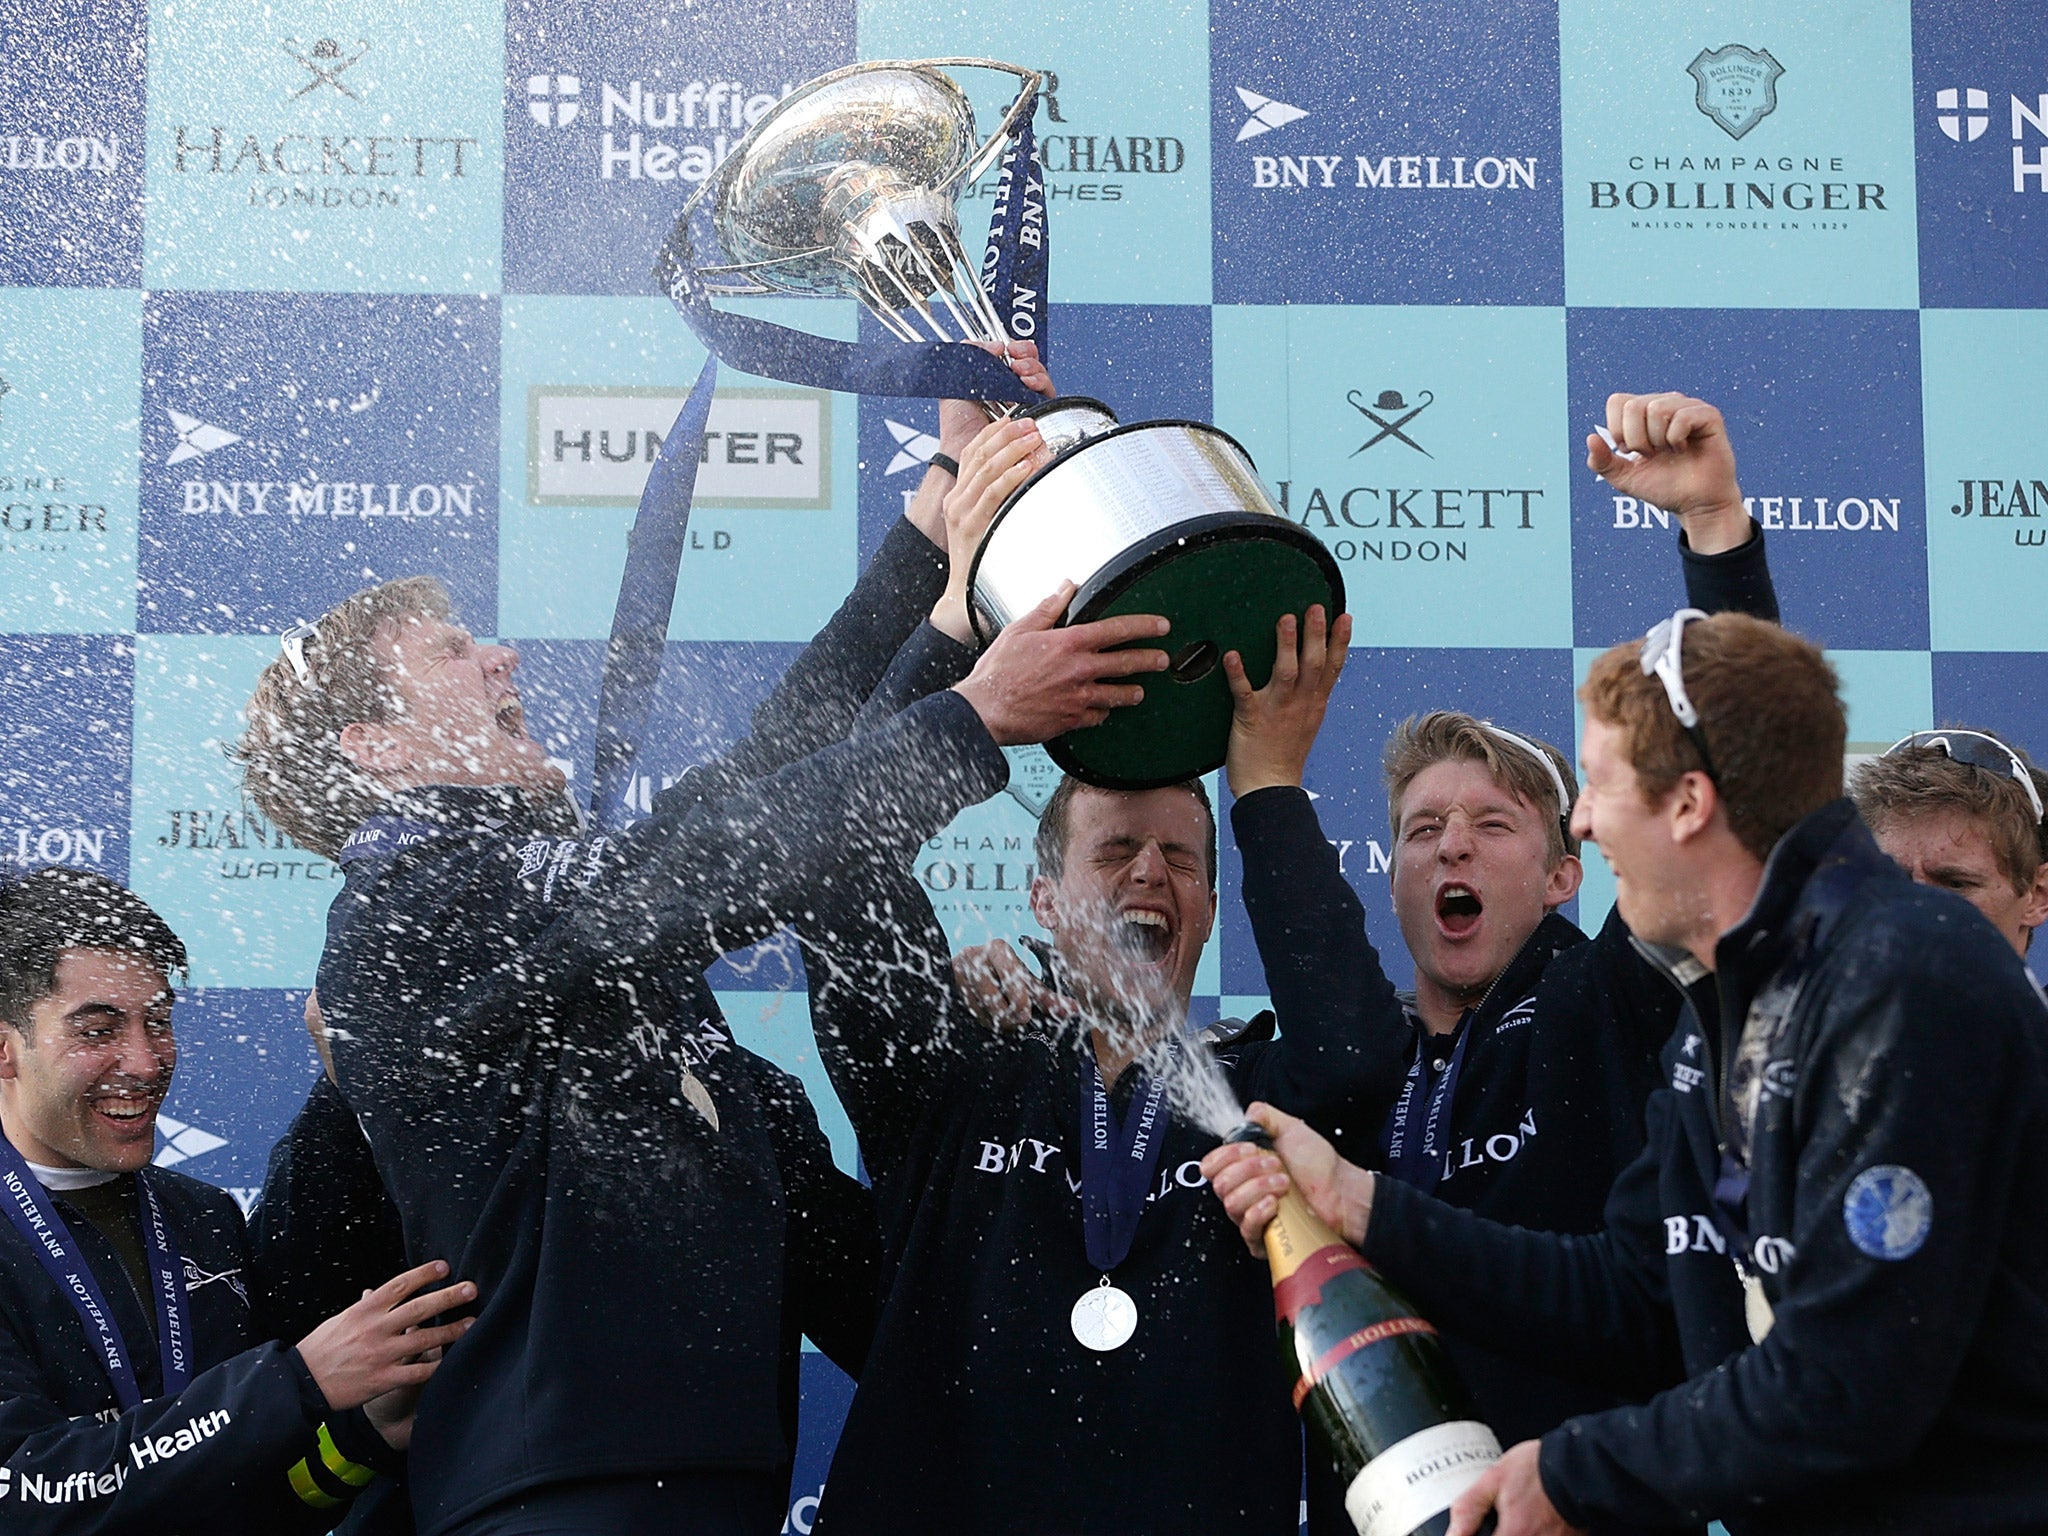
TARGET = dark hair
(1918,781)
(1770,707)
(1049,849)
(50,910)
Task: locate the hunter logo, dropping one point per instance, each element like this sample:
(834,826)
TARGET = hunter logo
(1266,114)
(1957,125)
(1391,425)
(593,446)
(327,64)
(551,100)
(1736,86)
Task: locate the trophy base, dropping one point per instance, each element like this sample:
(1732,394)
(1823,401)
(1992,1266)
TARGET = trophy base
(1222,580)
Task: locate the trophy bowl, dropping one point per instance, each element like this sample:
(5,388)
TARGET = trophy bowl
(1165,517)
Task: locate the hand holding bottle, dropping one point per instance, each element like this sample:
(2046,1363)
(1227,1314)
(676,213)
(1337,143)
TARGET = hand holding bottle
(1251,1181)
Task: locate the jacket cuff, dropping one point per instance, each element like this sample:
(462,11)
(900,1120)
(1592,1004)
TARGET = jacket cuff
(357,1441)
(929,662)
(312,1401)
(969,766)
(911,563)
(1737,580)
(1553,1467)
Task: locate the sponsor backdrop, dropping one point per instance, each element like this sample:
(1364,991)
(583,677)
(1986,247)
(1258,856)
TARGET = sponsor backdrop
(298,298)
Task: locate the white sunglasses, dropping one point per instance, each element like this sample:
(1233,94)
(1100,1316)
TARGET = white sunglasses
(1664,659)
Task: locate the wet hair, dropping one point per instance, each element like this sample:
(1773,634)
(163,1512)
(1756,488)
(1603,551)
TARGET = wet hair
(47,911)
(1919,781)
(1770,708)
(292,764)
(1445,736)
(1049,849)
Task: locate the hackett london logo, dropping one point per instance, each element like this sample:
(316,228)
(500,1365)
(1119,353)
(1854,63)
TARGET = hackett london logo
(1737,87)
(326,63)
(1391,426)
(1405,523)
(386,158)
(1409,168)
(593,446)
(2021,504)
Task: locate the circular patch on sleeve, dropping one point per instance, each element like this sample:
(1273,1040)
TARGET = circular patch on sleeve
(1888,1211)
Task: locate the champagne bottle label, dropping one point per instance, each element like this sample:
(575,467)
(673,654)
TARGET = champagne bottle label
(1418,1478)
(1350,1345)
(1298,1281)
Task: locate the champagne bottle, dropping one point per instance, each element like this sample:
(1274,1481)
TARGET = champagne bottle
(1370,1379)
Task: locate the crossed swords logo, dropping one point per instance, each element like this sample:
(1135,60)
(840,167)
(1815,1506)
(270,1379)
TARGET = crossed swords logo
(1390,401)
(327,64)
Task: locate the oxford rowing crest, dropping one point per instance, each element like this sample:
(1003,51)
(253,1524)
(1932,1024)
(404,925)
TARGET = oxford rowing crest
(1737,86)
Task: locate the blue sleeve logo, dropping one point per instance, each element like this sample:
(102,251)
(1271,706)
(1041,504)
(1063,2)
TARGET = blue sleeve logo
(1888,1211)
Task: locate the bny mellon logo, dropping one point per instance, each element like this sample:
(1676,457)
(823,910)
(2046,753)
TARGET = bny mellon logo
(1266,114)
(913,447)
(182,1141)
(196,438)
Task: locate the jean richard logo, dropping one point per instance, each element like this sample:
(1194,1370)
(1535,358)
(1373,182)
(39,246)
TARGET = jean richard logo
(1736,86)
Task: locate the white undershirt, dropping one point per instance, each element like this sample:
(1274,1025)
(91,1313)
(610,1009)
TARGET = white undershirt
(58,1180)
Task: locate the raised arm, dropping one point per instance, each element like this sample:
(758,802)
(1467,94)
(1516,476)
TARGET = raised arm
(1682,461)
(1343,1042)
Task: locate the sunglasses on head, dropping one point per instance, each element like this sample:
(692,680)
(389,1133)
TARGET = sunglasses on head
(1979,751)
(1664,659)
(1564,799)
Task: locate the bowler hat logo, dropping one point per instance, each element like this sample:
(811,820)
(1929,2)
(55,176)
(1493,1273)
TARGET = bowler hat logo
(1736,86)
(1390,416)
(326,62)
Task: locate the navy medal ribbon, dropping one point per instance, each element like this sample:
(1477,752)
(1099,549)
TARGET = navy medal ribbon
(1420,1156)
(29,1207)
(1117,1163)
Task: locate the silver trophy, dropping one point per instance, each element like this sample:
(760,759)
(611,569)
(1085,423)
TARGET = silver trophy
(848,188)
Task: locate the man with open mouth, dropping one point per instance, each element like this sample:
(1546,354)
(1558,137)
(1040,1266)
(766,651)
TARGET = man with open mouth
(519,1016)
(1057,1279)
(1512,1081)
(137,1390)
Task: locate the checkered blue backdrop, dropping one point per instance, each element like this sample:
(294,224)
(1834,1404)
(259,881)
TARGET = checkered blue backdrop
(298,298)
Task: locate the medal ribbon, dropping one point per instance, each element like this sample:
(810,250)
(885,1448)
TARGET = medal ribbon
(29,1207)
(1419,1156)
(1117,1162)
(1013,271)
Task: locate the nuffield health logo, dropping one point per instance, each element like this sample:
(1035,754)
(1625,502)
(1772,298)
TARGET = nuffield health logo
(1736,86)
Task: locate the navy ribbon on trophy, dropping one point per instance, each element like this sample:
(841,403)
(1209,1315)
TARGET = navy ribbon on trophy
(647,596)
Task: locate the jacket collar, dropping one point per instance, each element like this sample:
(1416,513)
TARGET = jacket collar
(503,808)
(1554,934)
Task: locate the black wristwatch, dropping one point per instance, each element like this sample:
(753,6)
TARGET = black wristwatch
(947,462)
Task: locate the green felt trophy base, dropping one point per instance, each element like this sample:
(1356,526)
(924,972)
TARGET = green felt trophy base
(1222,581)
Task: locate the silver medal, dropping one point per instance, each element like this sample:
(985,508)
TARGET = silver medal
(1104,1318)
